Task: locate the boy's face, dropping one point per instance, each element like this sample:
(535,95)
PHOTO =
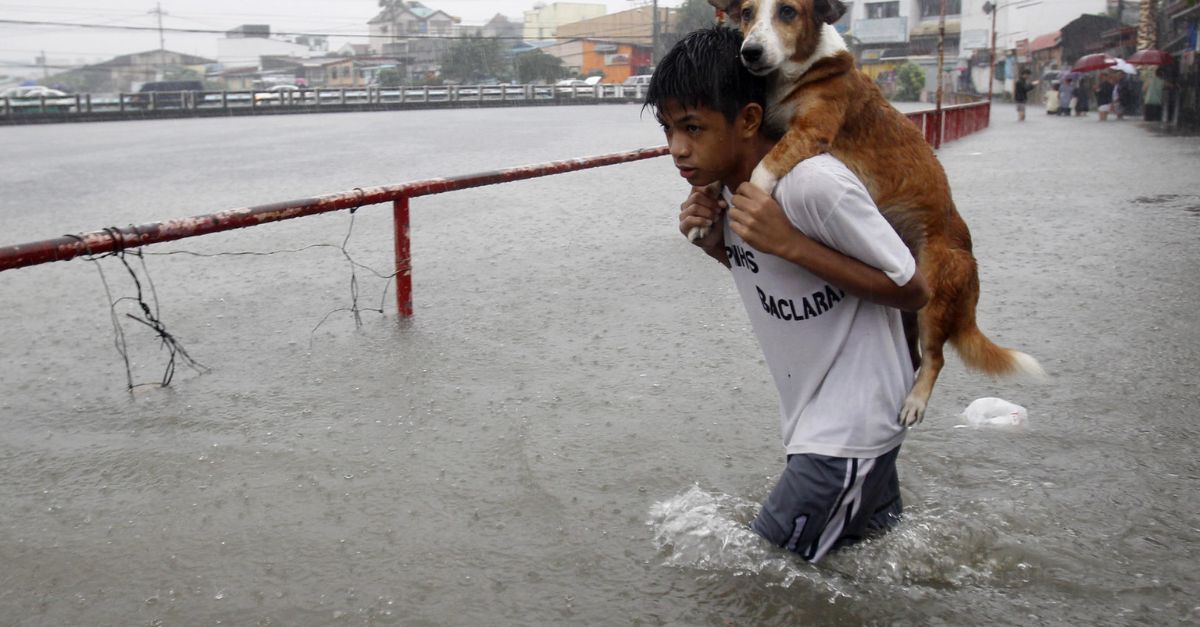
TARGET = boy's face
(702,142)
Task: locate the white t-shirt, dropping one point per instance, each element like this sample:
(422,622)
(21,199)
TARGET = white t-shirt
(841,364)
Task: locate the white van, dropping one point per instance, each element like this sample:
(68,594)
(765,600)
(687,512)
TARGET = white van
(640,79)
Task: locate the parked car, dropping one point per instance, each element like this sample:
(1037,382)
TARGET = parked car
(30,92)
(640,79)
(575,87)
(168,94)
(277,93)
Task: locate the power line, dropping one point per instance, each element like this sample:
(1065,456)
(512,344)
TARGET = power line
(389,36)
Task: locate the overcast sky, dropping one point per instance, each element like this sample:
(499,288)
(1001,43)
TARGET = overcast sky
(21,44)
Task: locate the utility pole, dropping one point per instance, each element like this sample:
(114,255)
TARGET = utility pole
(45,70)
(160,13)
(988,7)
(654,36)
(162,45)
(940,63)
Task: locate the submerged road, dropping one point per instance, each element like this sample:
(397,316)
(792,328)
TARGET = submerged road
(577,423)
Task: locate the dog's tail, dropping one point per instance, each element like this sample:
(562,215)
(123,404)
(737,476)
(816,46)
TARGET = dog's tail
(981,353)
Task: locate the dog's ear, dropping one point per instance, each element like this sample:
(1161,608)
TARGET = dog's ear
(828,11)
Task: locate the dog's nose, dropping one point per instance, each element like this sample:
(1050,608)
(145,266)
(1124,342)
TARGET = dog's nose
(751,53)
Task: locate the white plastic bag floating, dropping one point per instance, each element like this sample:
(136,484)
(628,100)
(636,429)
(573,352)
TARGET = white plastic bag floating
(990,411)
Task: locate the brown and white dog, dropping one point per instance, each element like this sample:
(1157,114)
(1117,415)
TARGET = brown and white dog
(821,103)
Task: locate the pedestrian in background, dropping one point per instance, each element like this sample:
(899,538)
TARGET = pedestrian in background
(1083,96)
(1066,91)
(1104,97)
(1152,96)
(1122,97)
(1021,93)
(1051,98)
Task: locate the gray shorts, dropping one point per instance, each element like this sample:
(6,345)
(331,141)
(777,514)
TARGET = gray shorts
(1020,107)
(823,503)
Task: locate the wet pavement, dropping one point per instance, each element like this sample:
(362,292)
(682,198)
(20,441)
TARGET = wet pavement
(577,422)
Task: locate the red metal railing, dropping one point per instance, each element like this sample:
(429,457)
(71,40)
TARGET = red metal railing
(120,238)
(951,123)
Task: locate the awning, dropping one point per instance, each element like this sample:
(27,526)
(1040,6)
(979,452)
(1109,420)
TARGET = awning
(1042,42)
(929,28)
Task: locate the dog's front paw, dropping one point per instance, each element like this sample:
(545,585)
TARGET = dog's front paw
(697,233)
(913,411)
(763,179)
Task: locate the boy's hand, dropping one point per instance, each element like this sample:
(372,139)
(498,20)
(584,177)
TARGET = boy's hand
(703,208)
(758,219)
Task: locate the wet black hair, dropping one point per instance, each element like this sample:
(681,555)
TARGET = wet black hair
(705,70)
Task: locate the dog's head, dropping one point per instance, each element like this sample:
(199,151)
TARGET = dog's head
(778,31)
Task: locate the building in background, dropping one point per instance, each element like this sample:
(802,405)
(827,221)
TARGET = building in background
(127,73)
(614,61)
(246,44)
(1019,24)
(615,46)
(543,21)
(415,34)
(887,33)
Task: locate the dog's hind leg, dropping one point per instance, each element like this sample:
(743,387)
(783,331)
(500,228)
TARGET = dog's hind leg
(933,338)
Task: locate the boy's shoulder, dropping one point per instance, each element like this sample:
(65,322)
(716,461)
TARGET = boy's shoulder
(817,176)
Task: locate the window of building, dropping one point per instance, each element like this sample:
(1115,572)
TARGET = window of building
(878,10)
(933,8)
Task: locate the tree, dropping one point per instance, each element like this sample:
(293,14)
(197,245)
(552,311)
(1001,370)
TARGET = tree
(390,77)
(473,59)
(692,15)
(538,66)
(910,81)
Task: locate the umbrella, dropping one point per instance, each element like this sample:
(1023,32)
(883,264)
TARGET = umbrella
(1093,62)
(1124,66)
(1150,57)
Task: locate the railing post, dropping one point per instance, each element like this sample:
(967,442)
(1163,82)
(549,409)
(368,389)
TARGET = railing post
(403,259)
(89,102)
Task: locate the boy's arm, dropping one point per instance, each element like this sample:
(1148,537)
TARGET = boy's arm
(759,220)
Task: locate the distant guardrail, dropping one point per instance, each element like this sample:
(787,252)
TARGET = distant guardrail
(249,102)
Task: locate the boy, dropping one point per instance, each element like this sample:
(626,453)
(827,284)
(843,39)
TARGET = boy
(819,270)
(1021,93)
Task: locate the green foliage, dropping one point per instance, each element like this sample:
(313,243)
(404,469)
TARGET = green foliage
(537,66)
(910,81)
(694,15)
(390,77)
(473,60)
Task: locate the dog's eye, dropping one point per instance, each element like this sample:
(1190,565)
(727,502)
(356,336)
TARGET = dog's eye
(787,13)
(748,13)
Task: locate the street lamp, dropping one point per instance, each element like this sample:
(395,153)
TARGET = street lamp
(988,7)
(993,7)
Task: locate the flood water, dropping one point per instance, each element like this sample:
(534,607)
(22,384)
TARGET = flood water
(576,425)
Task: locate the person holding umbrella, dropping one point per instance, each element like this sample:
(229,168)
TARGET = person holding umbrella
(1104,97)
(1083,94)
(1066,91)
(1152,96)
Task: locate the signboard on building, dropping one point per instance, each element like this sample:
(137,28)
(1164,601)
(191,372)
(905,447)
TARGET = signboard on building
(881,30)
(974,39)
